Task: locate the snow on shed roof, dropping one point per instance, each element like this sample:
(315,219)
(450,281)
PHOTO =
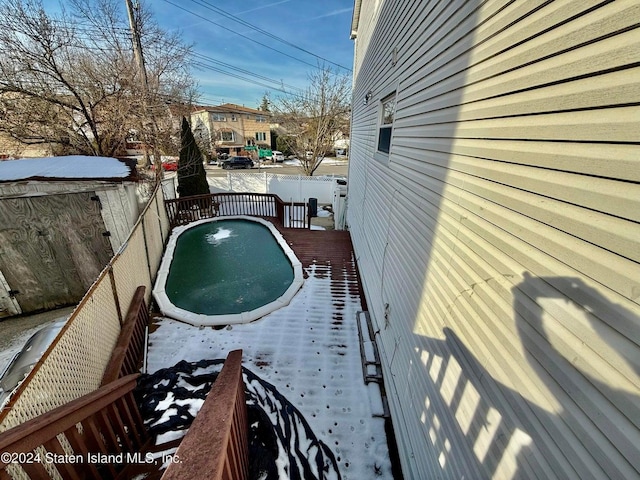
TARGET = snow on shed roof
(67,167)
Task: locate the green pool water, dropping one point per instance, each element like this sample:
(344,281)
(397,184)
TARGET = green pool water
(227,267)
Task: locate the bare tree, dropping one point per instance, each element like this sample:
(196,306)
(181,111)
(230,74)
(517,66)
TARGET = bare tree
(312,118)
(71,80)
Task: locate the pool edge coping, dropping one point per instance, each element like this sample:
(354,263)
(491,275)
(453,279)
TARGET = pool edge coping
(168,309)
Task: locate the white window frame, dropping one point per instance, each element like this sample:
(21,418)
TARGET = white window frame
(384,123)
(231,133)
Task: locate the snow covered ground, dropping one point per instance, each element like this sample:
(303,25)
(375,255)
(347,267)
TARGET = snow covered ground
(309,352)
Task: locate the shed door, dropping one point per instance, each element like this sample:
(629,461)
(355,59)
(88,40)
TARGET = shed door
(52,248)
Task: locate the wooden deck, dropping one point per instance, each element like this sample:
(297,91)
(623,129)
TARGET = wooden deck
(331,251)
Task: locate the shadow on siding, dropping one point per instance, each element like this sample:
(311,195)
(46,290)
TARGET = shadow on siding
(524,440)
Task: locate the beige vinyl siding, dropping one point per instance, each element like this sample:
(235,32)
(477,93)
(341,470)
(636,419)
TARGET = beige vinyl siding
(499,241)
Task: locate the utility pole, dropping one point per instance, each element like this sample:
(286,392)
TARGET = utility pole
(137,52)
(137,45)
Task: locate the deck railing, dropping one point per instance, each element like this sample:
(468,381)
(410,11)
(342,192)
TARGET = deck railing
(74,438)
(128,352)
(75,363)
(216,445)
(102,435)
(189,209)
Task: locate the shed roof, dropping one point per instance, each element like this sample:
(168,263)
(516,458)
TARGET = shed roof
(71,167)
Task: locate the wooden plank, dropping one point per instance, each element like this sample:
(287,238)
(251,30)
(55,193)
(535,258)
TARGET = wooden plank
(66,469)
(118,365)
(53,248)
(22,438)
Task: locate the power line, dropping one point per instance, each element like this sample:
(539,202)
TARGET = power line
(202,61)
(242,70)
(240,34)
(248,80)
(264,32)
(248,76)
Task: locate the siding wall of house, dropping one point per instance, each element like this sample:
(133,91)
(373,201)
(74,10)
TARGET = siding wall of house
(499,240)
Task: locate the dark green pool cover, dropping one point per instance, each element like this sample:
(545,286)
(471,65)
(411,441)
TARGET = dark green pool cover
(227,267)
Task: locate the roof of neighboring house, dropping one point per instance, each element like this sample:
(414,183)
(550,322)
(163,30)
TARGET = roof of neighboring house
(230,108)
(71,167)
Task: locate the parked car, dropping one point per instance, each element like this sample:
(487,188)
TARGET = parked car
(170,166)
(237,162)
(277,156)
(167,166)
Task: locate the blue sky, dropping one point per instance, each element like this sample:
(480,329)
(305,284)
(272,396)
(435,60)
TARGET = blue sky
(319,27)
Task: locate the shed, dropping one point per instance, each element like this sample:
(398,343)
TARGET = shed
(61,220)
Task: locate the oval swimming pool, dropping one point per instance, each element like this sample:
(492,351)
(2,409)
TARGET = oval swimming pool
(226,270)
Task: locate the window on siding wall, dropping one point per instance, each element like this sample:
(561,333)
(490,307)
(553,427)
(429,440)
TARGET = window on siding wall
(387,112)
(217,117)
(261,136)
(261,119)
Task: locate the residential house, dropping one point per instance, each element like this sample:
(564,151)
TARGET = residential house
(494,208)
(229,128)
(11,148)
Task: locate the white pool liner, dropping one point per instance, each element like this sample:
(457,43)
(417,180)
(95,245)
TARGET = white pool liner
(170,310)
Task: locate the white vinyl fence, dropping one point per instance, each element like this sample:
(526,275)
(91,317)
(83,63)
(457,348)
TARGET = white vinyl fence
(295,188)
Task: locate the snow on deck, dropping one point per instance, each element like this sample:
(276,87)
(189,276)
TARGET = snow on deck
(309,352)
(71,166)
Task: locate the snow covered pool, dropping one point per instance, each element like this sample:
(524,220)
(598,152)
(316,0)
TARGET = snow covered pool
(226,270)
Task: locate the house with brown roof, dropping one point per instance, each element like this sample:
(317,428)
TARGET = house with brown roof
(228,128)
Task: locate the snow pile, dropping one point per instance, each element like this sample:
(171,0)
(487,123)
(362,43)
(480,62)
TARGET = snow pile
(220,235)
